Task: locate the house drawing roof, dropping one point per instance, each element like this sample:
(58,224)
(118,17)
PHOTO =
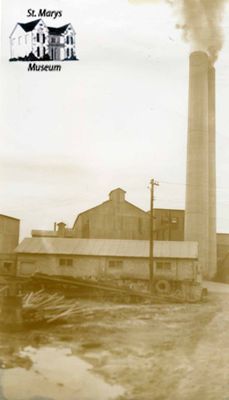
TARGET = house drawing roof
(107,247)
(29,26)
(58,31)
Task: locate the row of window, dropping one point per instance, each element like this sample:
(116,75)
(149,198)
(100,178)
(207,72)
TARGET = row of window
(20,39)
(66,262)
(69,40)
(160,266)
(70,53)
(41,38)
(41,52)
(118,264)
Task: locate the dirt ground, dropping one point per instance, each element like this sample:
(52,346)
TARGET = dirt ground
(132,352)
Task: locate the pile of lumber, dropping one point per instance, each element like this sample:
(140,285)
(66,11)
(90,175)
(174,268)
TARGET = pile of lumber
(41,306)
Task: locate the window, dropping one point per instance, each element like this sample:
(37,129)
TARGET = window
(67,52)
(7,266)
(53,40)
(72,52)
(38,51)
(163,266)
(71,39)
(38,37)
(43,38)
(67,39)
(66,262)
(43,51)
(115,264)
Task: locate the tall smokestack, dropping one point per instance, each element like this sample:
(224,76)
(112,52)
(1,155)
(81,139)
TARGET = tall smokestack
(197,178)
(212,263)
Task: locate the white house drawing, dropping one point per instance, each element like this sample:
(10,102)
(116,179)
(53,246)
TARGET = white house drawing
(38,41)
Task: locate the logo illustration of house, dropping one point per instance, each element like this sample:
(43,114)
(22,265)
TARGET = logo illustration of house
(35,41)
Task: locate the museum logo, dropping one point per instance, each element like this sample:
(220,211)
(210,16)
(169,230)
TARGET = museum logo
(35,41)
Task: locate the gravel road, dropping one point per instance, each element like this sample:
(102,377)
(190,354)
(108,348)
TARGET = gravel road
(144,352)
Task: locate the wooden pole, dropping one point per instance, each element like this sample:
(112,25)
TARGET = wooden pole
(151,241)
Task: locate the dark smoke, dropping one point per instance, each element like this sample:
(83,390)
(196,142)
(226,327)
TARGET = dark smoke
(200,21)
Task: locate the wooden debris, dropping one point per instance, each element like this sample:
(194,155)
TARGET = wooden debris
(44,307)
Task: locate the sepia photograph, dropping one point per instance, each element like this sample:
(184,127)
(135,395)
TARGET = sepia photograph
(114,199)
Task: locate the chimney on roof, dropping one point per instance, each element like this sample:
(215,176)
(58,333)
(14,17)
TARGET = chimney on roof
(61,229)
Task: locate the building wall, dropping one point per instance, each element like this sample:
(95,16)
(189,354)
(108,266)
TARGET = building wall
(169,224)
(113,220)
(21,43)
(222,249)
(43,43)
(69,39)
(56,47)
(116,267)
(9,236)
(9,233)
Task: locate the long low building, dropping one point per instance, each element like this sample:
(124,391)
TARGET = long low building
(106,257)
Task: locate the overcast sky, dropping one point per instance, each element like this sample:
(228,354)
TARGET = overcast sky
(116,118)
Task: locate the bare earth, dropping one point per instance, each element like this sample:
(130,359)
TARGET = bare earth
(132,352)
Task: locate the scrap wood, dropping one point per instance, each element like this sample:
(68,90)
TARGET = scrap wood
(41,305)
(61,315)
(94,285)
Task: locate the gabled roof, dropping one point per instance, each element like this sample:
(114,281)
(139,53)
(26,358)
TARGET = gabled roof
(58,31)
(107,247)
(8,217)
(29,26)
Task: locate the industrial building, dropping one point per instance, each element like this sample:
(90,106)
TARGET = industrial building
(116,218)
(106,258)
(113,219)
(119,219)
(9,237)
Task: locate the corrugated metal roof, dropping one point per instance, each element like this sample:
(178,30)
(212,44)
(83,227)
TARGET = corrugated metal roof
(107,247)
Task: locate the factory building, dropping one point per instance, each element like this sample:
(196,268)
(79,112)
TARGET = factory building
(116,218)
(9,236)
(168,224)
(102,258)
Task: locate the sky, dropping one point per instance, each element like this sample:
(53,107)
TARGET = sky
(116,118)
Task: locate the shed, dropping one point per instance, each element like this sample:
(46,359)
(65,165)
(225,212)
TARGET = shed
(96,257)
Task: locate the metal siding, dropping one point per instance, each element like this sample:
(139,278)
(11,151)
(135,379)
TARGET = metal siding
(108,247)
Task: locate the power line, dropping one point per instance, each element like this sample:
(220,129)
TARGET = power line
(186,184)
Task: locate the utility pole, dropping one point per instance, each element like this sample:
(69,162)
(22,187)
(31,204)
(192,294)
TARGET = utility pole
(151,241)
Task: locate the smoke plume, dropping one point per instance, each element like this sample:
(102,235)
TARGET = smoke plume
(200,21)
